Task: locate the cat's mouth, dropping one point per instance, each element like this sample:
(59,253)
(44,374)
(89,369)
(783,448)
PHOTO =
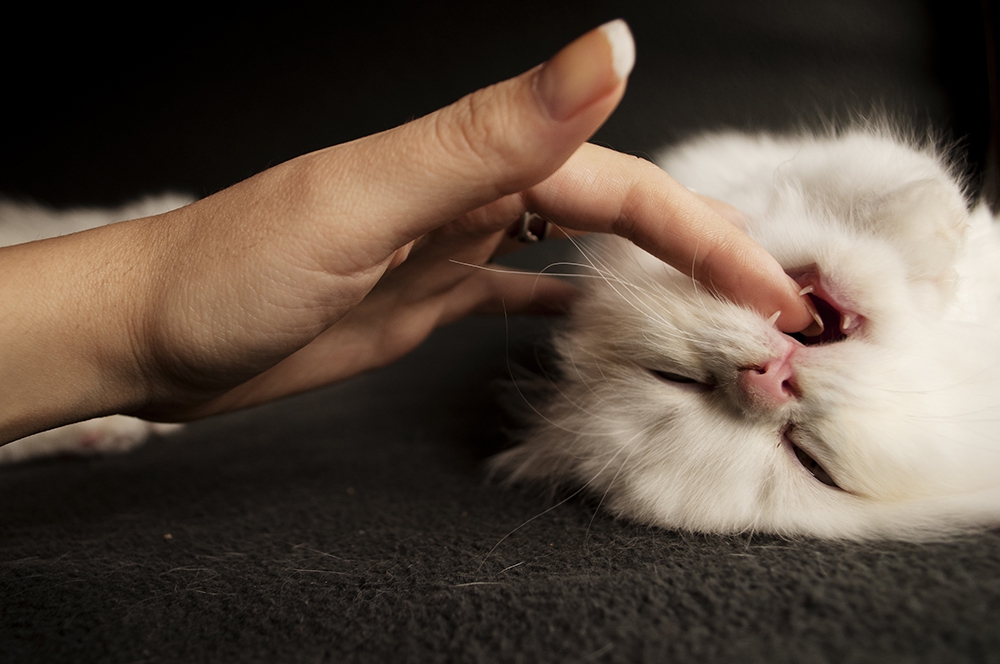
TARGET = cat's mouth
(837,319)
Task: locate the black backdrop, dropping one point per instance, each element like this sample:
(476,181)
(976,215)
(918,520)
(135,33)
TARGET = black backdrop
(354,523)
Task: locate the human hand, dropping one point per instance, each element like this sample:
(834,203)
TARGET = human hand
(340,260)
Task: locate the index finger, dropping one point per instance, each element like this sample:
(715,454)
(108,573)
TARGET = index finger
(599,190)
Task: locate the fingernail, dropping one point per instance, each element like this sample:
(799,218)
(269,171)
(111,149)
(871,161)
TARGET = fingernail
(586,70)
(622,47)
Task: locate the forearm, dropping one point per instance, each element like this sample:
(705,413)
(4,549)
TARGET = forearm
(69,329)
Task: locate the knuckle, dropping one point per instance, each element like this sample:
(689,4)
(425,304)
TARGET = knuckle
(636,197)
(303,182)
(477,129)
(474,131)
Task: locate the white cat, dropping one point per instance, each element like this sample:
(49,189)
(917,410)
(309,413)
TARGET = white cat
(682,410)
(24,222)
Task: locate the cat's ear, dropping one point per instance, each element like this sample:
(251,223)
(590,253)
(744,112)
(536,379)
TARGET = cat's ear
(926,219)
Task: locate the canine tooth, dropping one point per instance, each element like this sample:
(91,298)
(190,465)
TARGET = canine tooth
(806,290)
(817,328)
(846,323)
(774,318)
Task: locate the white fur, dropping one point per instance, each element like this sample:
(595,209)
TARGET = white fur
(25,222)
(904,414)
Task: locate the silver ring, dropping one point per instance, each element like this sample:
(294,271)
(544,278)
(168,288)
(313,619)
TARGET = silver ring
(532,228)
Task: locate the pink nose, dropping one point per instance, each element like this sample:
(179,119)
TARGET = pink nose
(770,385)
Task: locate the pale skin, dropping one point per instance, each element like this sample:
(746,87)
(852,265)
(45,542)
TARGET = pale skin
(345,259)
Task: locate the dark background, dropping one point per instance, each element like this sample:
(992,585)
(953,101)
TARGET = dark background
(354,523)
(101,107)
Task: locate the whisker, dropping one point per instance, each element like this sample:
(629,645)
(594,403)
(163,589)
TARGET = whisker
(525,273)
(520,392)
(608,490)
(546,511)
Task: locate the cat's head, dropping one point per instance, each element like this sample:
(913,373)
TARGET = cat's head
(685,410)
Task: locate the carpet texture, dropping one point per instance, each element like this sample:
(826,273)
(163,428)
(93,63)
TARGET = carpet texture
(356,523)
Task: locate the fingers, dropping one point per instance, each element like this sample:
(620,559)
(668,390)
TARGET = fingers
(499,140)
(599,190)
(731,214)
(603,191)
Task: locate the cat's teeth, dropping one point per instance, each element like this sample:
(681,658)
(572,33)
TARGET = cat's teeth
(816,328)
(847,323)
(806,290)
(773,320)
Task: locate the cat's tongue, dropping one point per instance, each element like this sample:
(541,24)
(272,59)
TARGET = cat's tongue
(839,320)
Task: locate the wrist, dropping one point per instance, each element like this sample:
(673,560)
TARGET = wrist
(68,330)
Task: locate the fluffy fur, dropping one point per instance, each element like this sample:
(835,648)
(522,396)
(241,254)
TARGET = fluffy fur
(682,410)
(24,222)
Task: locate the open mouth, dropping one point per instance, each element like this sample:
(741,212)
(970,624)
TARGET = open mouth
(837,319)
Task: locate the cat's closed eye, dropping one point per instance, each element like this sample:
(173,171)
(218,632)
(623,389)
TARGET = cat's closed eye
(813,467)
(678,379)
(807,461)
(673,377)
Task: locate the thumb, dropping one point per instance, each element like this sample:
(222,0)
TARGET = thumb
(498,140)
